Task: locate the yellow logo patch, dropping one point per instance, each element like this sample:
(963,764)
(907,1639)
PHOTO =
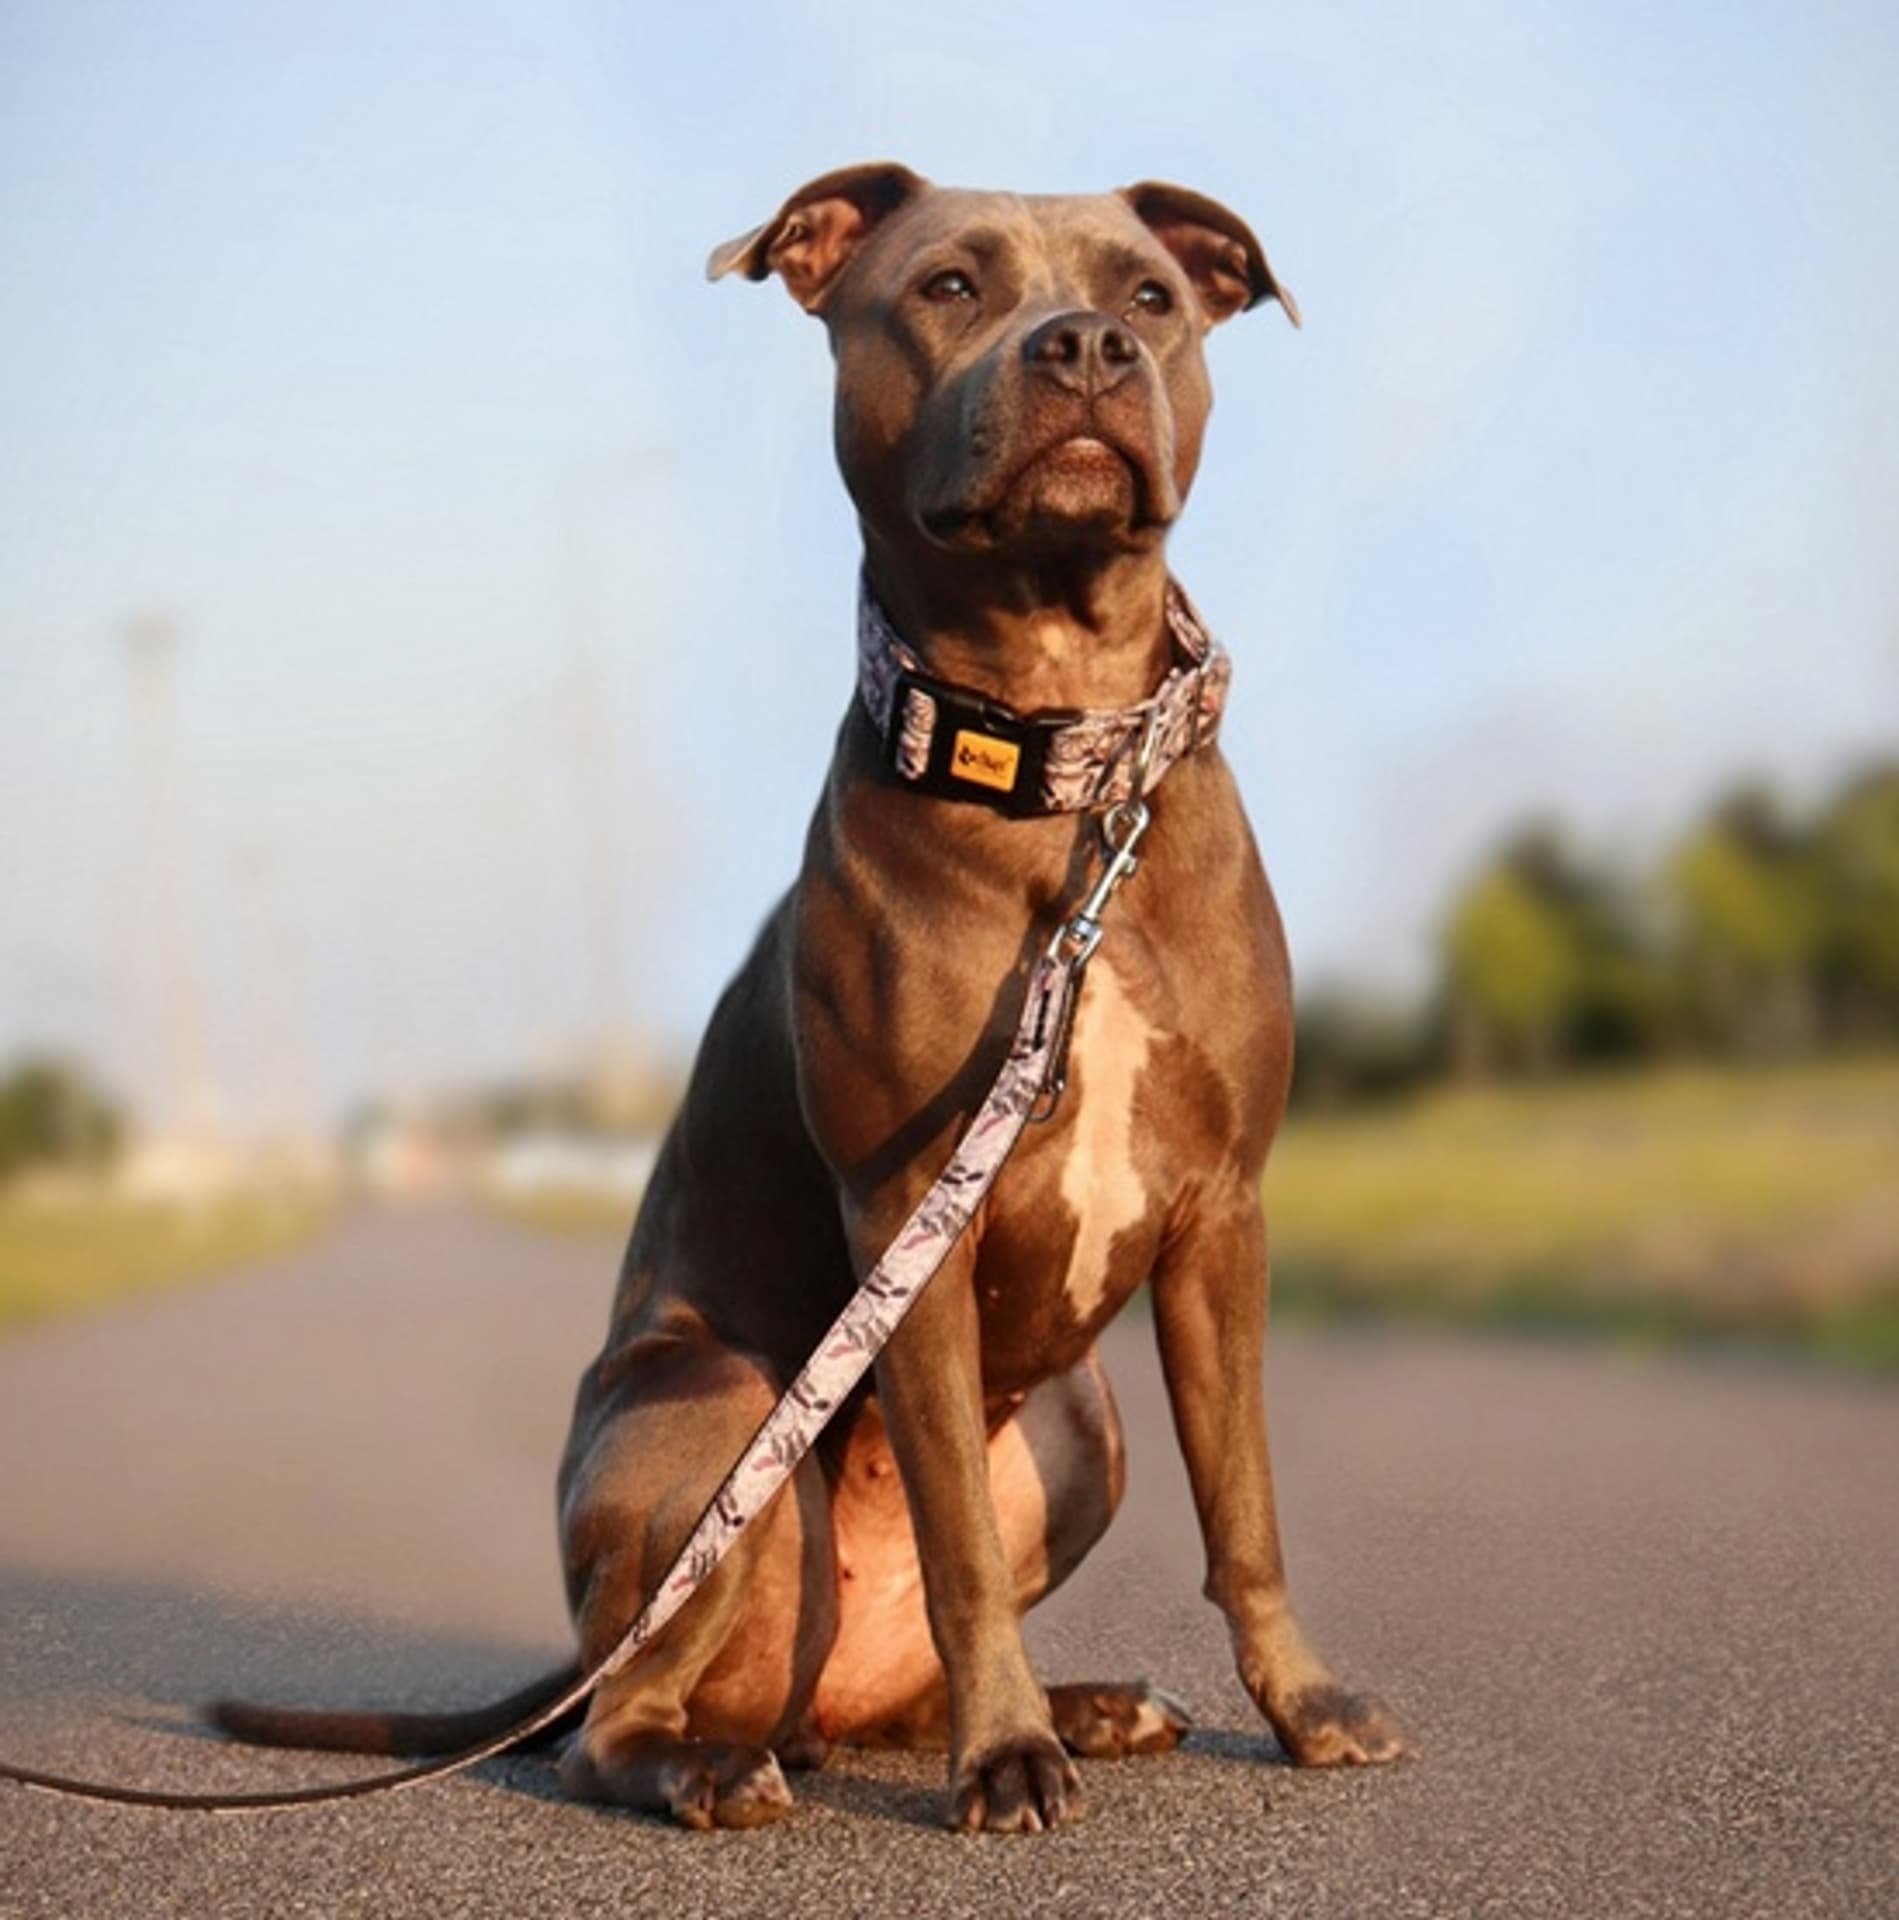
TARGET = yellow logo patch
(985,762)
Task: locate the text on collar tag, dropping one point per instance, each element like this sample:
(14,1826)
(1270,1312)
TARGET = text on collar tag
(985,762)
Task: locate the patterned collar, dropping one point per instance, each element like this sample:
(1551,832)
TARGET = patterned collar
(957,743)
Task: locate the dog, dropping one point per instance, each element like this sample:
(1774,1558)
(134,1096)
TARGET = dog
(1020,400)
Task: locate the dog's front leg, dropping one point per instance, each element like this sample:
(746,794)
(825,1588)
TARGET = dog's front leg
(1008,1771)
(1210,1315)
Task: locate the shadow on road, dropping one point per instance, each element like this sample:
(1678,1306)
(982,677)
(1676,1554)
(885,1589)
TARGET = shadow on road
(142,1657)
(139,1658)
(64,1635)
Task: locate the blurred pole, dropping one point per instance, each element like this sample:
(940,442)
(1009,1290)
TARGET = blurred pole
(188,1099)
(390,1021)
(302,1103)
(618,1058)
(250,866)
(276,1016)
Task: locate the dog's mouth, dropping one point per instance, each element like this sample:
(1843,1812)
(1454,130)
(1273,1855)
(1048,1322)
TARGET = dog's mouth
(1078,486)
(1084,455)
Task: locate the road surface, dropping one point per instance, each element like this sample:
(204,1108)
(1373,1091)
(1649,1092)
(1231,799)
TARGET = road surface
(1638,1614)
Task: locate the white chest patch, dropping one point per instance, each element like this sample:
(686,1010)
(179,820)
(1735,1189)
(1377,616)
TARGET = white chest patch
(1099,1182)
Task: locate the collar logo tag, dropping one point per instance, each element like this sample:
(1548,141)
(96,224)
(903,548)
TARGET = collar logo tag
(985,762)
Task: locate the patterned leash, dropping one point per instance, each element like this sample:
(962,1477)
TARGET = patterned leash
(1026,1089)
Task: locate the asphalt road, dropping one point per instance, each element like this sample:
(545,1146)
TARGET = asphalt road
(1640,1616)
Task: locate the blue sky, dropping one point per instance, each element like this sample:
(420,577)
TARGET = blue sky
(372,343)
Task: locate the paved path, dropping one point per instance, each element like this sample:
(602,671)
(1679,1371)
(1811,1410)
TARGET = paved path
(1639,1615)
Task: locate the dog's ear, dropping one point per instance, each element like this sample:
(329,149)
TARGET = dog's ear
(811,238)
(1215,247)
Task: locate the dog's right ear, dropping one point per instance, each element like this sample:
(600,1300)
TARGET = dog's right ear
(811,238)
(1215,247)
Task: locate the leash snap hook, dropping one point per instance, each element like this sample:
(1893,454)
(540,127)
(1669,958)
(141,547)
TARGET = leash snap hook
(1080,934)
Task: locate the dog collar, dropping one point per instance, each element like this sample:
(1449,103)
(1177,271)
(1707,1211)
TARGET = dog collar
(960,744)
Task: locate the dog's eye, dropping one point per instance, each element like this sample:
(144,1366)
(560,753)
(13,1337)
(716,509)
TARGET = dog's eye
(951,284)
(1151,297)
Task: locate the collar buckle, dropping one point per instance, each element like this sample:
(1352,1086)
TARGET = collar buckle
(978,748)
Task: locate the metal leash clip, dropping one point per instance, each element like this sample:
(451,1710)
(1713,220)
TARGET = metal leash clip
(1121,828)
(1076,939)
(1080,934)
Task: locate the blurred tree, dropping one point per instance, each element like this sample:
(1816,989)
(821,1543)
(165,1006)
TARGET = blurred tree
(1548,960)
(1510,971)
(1351,1048)
(1856,860)
(1748,911)
(53,1115)
(1762,935)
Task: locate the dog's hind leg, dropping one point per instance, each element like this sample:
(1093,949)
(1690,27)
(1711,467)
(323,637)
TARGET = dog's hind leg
(689,1729)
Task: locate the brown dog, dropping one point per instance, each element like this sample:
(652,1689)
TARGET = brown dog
(1020,402)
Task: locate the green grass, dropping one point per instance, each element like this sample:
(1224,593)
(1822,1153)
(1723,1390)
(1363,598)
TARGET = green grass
(78,1254)
(1759,1205)
(1752,1205)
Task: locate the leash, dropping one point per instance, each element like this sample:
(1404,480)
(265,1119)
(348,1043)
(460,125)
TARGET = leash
(1027,1089)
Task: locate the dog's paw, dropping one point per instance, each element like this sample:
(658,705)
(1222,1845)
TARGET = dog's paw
(727,1787)
(1106,1722)
(1327,1726)
(1025,1784)
(697,1783)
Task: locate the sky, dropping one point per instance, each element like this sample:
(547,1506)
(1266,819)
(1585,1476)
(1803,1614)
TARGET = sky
(370,345)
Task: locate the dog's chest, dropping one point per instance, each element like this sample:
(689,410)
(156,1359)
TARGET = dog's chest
(1075,1221)
(1101,1182)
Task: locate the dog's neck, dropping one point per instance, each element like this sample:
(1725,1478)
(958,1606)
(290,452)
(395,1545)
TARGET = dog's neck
(1053,632)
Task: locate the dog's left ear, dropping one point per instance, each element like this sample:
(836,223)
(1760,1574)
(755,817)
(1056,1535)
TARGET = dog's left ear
(811,238)
(1215,247)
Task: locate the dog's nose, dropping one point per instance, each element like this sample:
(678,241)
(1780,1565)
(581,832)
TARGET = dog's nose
(1086,352)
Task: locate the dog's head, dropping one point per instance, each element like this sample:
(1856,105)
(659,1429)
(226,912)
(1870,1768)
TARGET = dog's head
(1014,372)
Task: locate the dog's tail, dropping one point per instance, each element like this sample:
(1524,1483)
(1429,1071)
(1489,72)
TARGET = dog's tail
(401,1734)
